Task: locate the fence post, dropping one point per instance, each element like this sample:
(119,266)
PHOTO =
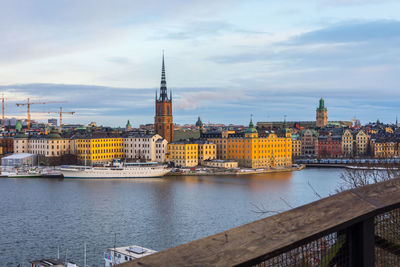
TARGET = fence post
(362,243)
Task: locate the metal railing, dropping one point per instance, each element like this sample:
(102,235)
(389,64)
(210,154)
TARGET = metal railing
(359,227)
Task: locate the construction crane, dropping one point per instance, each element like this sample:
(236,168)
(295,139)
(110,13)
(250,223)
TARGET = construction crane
(2,109)
(61,112)
(28,104)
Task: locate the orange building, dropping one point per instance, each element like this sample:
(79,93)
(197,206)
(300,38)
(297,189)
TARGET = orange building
(253,151)
(163,121)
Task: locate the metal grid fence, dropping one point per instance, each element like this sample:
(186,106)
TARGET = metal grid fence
(387,238)
(332,250)
(329,250)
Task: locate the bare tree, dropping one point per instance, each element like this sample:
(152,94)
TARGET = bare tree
(368,173)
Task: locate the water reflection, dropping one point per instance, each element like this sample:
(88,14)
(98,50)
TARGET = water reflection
(37,215)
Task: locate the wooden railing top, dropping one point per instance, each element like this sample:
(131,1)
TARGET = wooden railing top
(249,242)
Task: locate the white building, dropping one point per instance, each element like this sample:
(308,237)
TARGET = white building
(50,145)
(145,147)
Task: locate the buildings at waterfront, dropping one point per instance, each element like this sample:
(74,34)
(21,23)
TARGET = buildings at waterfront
(253,151)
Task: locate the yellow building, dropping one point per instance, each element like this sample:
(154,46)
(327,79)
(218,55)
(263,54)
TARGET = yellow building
(183,154)
(99,149)
(347,143)
(362,143)
(252,151)
(385,148)
(296,148)
(207,151)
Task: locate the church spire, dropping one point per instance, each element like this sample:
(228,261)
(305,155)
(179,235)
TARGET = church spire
(163,87)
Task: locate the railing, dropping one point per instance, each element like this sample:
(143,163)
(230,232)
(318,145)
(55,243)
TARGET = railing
(359,227)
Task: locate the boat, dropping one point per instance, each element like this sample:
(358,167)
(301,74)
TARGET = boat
(25,174)
(116,170)
(52,262)
(51,173)
(115,256)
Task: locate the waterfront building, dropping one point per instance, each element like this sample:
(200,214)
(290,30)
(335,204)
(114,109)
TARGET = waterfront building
(183,153)
(251,150)
(145,147)
(221,141)
(362,143)
(163,120)
(218,163)
(309,143)
(257,152)
(49,145)
(99,148)
(385,149)
(329,146)
(296,146)
(322,114)
(347,143)
(207,150)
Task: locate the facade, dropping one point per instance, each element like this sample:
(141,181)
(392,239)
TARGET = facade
(362,143)
(49,145)
(309,143)
(221,142)
(6,145)
(207,151)
(347,143)
(296,147)
(183,154)
(385,148)
(145,147)
(322,114)
(163,121)
(99,148)
(329,146)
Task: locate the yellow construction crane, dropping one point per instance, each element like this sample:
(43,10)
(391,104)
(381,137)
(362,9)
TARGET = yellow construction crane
(2,109)
(28,103)
(61,112)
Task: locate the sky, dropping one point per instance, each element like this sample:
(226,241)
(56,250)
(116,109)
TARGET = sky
(224,59)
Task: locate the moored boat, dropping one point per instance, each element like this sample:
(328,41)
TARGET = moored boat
(120,170)
(115,256)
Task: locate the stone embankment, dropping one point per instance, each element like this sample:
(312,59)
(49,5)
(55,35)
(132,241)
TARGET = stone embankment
(241,171)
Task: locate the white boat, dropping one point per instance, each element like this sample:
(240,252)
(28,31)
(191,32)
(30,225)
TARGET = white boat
(119,170)
(115,256)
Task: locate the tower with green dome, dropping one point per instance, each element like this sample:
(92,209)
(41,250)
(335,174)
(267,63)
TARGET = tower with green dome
(128,126)
(322,114)
(251,131)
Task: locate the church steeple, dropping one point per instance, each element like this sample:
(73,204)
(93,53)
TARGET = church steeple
(163,87)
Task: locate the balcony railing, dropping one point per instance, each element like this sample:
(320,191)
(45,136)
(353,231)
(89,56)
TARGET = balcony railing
(359,227)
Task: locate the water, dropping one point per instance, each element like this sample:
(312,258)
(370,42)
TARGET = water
(38,216)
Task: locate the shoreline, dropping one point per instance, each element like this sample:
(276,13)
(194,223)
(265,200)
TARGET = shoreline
(227,173)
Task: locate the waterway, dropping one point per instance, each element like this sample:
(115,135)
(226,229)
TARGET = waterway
(38,217)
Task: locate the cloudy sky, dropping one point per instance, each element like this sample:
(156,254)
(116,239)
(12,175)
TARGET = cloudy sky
(225,59)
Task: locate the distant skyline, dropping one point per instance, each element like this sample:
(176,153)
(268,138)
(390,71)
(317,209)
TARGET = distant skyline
(225,59)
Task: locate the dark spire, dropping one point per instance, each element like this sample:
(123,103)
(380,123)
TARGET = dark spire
(163,87)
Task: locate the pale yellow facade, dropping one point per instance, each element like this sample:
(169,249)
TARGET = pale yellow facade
(347,143)
(207,151)
(183,155)
(362,143)
(296,148)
